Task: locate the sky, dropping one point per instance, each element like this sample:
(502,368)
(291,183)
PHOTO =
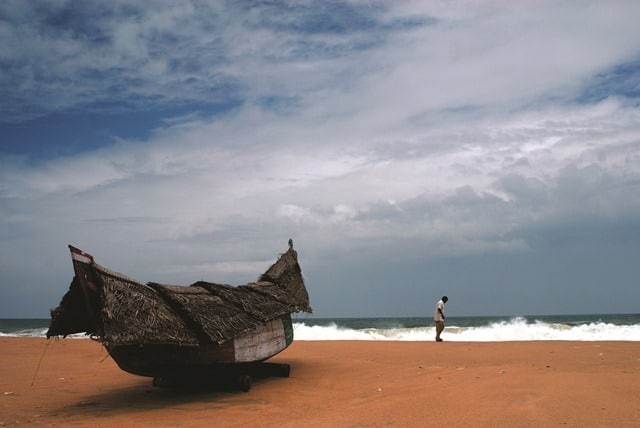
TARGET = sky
(486,150)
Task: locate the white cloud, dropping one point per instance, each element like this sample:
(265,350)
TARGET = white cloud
(468,122)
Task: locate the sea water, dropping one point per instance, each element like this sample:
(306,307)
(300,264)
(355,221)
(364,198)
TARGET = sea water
(607,327)
(474,329)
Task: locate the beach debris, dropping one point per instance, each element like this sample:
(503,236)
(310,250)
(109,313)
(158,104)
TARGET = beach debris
(8,393)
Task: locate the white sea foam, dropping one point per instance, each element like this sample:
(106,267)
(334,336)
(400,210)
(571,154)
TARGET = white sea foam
(39,332)
(513,330)
(31,332)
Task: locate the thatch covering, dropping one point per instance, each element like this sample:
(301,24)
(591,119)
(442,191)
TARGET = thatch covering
(131,312)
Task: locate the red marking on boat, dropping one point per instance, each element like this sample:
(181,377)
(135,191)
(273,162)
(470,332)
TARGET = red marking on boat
(80,256)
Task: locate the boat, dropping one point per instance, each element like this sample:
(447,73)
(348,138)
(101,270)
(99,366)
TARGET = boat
(180,334)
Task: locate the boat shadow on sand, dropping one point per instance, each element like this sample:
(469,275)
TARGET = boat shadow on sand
(142,395)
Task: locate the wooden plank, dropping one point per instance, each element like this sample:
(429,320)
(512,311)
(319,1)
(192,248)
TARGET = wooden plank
(261,343)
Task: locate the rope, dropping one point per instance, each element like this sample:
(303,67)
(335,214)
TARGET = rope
(40,362)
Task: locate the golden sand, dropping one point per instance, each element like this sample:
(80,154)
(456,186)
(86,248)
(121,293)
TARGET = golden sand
(337,384)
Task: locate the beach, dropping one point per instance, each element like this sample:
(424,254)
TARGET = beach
(73,382)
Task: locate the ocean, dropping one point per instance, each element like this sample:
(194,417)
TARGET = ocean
(601,327)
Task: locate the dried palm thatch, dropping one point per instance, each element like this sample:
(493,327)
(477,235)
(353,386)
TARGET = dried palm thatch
(129,312)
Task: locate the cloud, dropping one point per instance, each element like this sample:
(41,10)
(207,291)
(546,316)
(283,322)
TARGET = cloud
(372,134)
(123,57)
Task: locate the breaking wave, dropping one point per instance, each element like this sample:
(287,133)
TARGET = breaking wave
(515,329)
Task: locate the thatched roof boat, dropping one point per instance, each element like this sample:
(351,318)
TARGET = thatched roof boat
(175,331)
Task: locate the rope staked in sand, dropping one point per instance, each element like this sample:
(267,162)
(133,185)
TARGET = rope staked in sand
(44,351)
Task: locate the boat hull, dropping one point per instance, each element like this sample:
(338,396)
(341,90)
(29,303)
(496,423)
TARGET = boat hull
(254,346)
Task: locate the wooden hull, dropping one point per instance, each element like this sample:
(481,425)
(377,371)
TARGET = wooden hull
(186,361)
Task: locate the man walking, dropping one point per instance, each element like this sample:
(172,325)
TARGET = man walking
(438,317)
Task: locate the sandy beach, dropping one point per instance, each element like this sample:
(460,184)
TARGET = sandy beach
(337,384)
